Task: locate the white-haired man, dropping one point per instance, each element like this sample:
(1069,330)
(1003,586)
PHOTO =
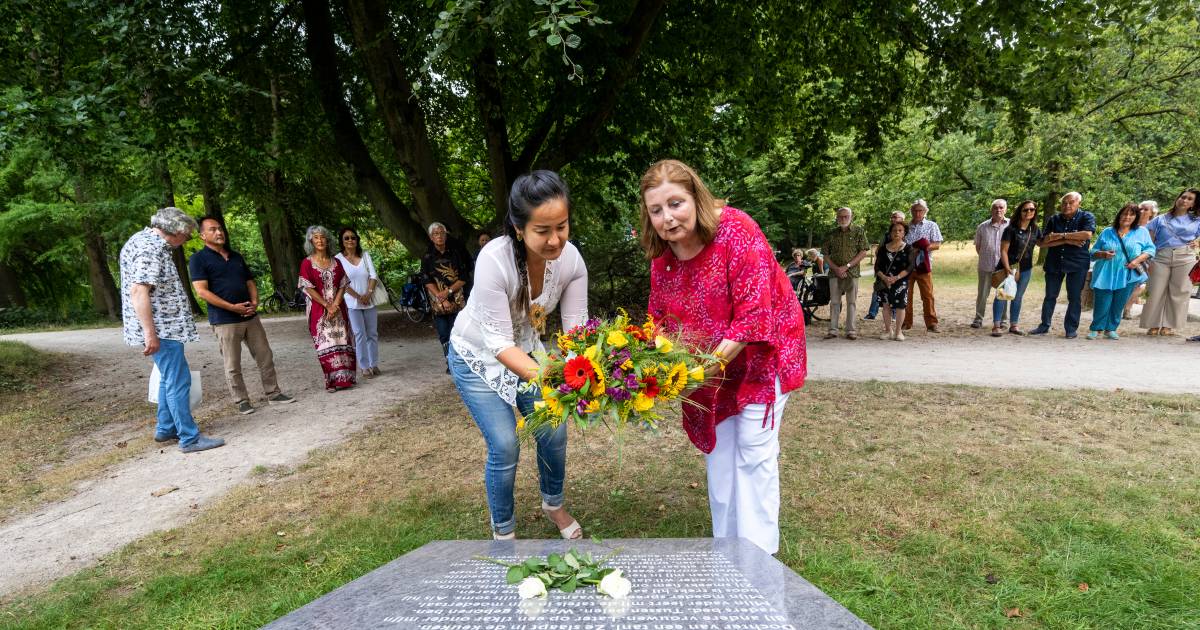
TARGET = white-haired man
(987,246)
(1066,237)
(157,316)
(926,237)
(845,246)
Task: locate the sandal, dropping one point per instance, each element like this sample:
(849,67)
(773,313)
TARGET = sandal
(1016,331)
(1153,332)
(509,536)
(330,389)
(572,531)
(996,331)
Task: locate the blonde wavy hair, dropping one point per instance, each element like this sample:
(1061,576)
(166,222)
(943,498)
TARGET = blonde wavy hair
(708,207)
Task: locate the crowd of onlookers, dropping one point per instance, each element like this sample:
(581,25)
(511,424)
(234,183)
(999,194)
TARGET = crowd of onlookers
(338,279)
(1142,254)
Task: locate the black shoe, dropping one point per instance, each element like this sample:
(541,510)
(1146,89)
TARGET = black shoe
(869,316)
(1071,335)
(1040,330)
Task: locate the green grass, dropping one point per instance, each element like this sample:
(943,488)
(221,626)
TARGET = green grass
(978,502)
(21,366)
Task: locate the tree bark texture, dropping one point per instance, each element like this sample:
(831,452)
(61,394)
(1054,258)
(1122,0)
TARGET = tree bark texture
(11,293)
(396,215)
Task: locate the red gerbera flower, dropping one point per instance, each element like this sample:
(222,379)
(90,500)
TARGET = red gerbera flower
(577,372)
(650,386)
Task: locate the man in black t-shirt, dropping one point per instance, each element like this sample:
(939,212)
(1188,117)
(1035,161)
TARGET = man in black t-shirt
(222,279)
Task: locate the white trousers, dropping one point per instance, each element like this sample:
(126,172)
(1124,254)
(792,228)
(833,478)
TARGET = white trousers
(743,476)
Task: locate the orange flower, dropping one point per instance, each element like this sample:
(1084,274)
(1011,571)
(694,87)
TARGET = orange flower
(577,372)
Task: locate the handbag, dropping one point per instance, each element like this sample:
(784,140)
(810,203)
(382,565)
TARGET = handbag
(1143,266)
(1000,274)
(194,395)
(379,296)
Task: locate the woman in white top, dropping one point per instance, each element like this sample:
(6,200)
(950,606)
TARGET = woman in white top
(520,277)
(364,319)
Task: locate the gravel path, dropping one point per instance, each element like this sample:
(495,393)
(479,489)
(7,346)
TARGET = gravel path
(110,511)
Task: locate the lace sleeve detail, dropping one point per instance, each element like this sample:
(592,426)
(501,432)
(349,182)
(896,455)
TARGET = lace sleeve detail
(491,308)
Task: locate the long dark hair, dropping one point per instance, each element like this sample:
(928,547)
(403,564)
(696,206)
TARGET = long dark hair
(1016,220)
(1194,210)
(358,250)
(528,193)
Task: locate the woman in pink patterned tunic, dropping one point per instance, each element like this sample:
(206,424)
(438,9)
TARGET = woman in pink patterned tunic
(324,281)
(714,278)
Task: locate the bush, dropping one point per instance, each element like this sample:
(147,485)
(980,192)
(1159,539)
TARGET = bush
(20,317)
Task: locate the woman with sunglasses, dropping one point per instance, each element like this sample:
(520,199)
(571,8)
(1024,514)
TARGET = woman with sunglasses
(364,318)
(1016,251)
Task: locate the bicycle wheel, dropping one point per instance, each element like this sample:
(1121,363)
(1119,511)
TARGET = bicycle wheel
(273,304)
(414,314)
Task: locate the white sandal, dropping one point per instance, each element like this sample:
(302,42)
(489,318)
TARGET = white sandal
(570,532)
(509,536)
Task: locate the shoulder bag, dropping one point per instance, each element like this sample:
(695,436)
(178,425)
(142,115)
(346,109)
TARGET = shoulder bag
(999,275)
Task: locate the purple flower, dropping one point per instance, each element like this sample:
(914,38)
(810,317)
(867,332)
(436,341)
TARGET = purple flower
(617,394)
(618,375)
(631,381)
(581,406)
(564,389)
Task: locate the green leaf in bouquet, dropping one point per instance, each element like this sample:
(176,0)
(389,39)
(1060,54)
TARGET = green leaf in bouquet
(571,560)
(569,586)
(553,559)
(535,564)
(516,574)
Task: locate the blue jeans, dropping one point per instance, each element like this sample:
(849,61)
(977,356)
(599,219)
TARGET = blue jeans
(1054,281)
(174,391)
(365,324)
(1014,305)
(874,310)
(498,424)
(1107,306)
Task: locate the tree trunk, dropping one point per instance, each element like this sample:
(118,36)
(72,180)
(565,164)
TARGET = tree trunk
(1054,169)
(489,99)
(181,267)
(106,300)
(280,237)
(402,116)
(11,293)
(212,197)
(396,215)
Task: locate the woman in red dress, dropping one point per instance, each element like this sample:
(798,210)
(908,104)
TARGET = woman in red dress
(714,278)
(324,280)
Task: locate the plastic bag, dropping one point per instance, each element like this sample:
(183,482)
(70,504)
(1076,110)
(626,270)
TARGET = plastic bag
(1007,289)
(193,396)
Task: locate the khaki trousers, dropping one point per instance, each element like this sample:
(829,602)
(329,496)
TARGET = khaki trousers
(229,339)
(847,287)
(924,282)
(1168,289)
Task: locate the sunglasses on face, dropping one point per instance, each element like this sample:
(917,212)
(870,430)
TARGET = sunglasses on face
(349,238)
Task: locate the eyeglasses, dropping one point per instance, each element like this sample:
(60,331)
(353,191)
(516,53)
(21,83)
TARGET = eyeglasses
(349,238)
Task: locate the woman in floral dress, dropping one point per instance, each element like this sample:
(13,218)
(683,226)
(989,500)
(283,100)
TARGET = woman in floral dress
(324,280)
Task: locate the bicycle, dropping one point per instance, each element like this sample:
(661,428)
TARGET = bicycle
(279,302)
(412,301)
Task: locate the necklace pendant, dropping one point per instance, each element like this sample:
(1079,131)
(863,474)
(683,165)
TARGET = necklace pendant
(668,267)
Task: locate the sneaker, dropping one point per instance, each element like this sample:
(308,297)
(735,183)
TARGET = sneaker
(202,444)
(1112,334)
(899,335)
(1040,330)
(280,399)
(375,370)
(165,437)
(869,316)
(245,408)
(1093,335)
(1194,338)
(977,323)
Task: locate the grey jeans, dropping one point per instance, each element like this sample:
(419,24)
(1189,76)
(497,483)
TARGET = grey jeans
(839,287)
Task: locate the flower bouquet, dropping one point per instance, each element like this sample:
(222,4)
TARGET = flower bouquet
(613,371)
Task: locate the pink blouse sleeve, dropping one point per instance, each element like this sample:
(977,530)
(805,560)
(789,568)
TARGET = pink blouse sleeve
(751,272)
(306,272)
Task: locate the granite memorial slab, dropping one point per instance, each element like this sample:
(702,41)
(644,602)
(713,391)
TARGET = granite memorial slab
(678,584)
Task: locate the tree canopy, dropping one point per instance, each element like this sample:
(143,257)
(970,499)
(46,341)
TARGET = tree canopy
(391,114)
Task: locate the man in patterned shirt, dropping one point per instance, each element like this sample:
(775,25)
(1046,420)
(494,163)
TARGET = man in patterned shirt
(926,236)
(845,246)
(157,317)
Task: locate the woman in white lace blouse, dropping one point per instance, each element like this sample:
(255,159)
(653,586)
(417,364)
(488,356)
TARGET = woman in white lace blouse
(520,277)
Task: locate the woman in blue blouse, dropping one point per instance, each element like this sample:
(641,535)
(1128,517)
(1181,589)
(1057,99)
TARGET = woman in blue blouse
(1119,252)
(1175,234)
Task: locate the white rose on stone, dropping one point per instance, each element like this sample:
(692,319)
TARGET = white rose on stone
(531,587)
(615,585)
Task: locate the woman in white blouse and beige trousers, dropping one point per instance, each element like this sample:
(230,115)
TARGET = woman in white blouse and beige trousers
(520,277)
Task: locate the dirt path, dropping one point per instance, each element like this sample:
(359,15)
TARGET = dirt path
(108,512)
(111,511)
